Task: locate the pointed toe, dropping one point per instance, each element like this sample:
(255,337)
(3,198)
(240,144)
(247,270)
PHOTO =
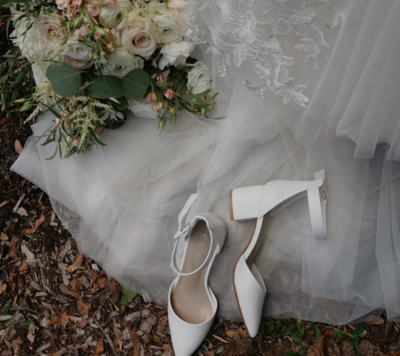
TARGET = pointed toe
(250,293)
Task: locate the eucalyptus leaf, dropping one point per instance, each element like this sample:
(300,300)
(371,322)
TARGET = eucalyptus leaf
(105,86)
(123,104)
(135,83)
(64,78)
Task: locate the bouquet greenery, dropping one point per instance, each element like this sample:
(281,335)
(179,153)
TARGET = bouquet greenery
(93,59)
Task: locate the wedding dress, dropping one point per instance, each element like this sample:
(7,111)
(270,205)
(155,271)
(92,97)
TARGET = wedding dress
(305,85)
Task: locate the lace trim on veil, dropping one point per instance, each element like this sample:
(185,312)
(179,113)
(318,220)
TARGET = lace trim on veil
(257,39)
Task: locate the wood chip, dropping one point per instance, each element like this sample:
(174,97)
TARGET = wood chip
(12,247)
(118,338)
(25,250)
(162,322)
(3,288)
(38,222)
(63,351)
(67,291)
(136,342)
(76,264)
(3,237)
(18,147)
(99,348)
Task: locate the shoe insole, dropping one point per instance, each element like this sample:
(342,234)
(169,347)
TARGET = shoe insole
(189,299)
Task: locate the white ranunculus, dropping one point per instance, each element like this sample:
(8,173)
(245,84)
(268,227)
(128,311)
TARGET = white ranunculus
(121,63)
(42,41)
(76,63)
(39,73)
(142,108)
(199,78)
(168,28)
(50,29)
(77,50)
(112,17)
(177,8)
(138,39)
(175,53)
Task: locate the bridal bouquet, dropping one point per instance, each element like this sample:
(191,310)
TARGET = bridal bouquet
(92,59)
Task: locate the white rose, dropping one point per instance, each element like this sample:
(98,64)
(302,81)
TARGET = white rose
(112,17)
(199,78)
(49,29)
(77,50)
(76,63)
(175,53)
(121,63)
(39,73)
(177,8)
(142,108)
(136,39)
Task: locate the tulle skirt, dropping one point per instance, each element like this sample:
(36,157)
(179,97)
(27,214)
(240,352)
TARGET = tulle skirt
(121,203)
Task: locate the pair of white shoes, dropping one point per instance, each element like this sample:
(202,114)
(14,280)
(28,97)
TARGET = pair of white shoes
(192,305)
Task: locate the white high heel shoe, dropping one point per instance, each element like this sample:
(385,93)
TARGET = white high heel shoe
(192,305)
(261,202)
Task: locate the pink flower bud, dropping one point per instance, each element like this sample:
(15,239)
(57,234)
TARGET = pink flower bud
(169,94)
(75,142)
(157,107)
(151,97)
(97,35)
(81,32)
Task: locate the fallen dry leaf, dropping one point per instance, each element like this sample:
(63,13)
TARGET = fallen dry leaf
(318,348)
(64,319)
(75,319)
(331,348)
(162,322)
(83,308)
(209,353)
(3,237)
(63,351)
(236,335)
(83,323)
(367,349)
(373,321)
(347,349)
(3,288)
(12,247)
(38,222)
(103,282)
(156,339)
(91,275)
(239,348)
(136,342)
(18,147)
(23,268)
(115,291)
(77,263)
(67,291)
(99,348)
(118,338)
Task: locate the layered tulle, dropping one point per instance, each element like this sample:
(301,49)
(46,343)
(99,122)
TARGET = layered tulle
(331,110)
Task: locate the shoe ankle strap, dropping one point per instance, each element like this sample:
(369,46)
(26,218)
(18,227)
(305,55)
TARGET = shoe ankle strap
(184,231)
(317,202)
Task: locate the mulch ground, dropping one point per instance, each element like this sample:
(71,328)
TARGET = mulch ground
(55,301)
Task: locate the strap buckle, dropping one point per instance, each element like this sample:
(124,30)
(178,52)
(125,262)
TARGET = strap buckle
(187,227)
(324,195)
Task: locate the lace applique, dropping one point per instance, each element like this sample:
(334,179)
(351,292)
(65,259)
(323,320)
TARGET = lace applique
(257,39)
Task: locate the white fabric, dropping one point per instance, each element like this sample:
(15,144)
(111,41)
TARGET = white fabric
(329,77)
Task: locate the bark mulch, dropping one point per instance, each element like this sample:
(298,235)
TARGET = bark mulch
(55,301)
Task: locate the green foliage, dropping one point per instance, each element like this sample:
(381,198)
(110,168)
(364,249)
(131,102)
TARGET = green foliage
(352,337)
(105,86)
(16,84)
(64,78)
(135,83)
(126,296)
(6,308)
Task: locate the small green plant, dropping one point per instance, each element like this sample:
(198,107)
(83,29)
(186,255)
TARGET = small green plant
(296,330)
(126,297)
